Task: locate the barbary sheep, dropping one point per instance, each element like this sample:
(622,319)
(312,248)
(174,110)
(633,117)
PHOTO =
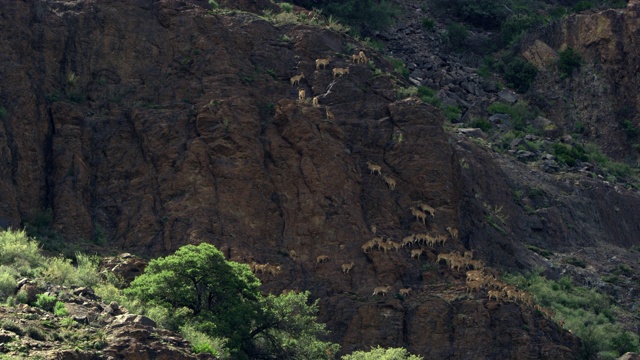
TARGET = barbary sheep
(494,294)
(368,245)
(340,72)
(314,102)
(416,253)
(321,259)
(373,168)
(474,285)
(408,240)
(426,208)
(347,267)
(393,245)
(322,62)
(391,183)
(274,270)
(419,215)
(301,94)
(295,80)
(355,58)
(453,231)
(362,58)
(381,290)
(330,116)
(404,291)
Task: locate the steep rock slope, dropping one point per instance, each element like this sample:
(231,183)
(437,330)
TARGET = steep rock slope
(167,125)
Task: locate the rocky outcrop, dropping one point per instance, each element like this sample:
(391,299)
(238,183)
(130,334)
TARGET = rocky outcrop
(600,100)
(90,330)
(167,124)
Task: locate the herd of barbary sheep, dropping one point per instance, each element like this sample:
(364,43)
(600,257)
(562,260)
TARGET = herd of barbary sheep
(476,280)
(337,72)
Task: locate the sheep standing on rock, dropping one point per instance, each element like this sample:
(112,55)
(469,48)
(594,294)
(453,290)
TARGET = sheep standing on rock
(295,80)
(426,208)
(404,292)
(330,116)
(453,231)
(381,290)
(408,241)
(347,267)
(391,183)
(314,102)
(419,215)
(373,168)
(322,62)
(362,58)
(494,294)
(301,95)
(339,72)
(416,253)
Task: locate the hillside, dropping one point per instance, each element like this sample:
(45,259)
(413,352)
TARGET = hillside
(155,124)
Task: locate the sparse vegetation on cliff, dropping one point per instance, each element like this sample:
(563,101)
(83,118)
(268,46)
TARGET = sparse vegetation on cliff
(589,314)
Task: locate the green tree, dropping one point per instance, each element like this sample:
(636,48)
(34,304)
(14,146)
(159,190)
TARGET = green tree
(224,301)
(223,296)
(520,75)
(379,353)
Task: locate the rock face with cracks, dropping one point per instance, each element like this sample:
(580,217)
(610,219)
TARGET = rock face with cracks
(168,125)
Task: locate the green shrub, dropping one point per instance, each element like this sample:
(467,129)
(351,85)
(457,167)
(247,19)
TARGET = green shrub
(8,281)
(516,25)
(35,333)
(398,66)
(214,4)
(378,353)
(59,309)
(286,7)
(45,302)
(402,93)
(86,274)
(482,124)
(59,271)
(222,300)
(520,75)
(426,91)
(428,24)
(568,154)
(67,322)
(569,61)
(365,15)
(3,113)
(572,260)
(202,343)
(457,34)
(519,113)
(20,252)
(487,14)
(589,314)
(630,129)
(452,113)
(582,5)
(12,326)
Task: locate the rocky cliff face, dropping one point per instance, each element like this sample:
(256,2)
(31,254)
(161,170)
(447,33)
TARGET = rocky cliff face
(602,97)
(167,125)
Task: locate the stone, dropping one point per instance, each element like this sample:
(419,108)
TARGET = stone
(508,97)
(473,132)
(499,119)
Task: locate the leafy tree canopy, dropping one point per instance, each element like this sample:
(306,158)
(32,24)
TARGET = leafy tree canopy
(222,299)
(379,353)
